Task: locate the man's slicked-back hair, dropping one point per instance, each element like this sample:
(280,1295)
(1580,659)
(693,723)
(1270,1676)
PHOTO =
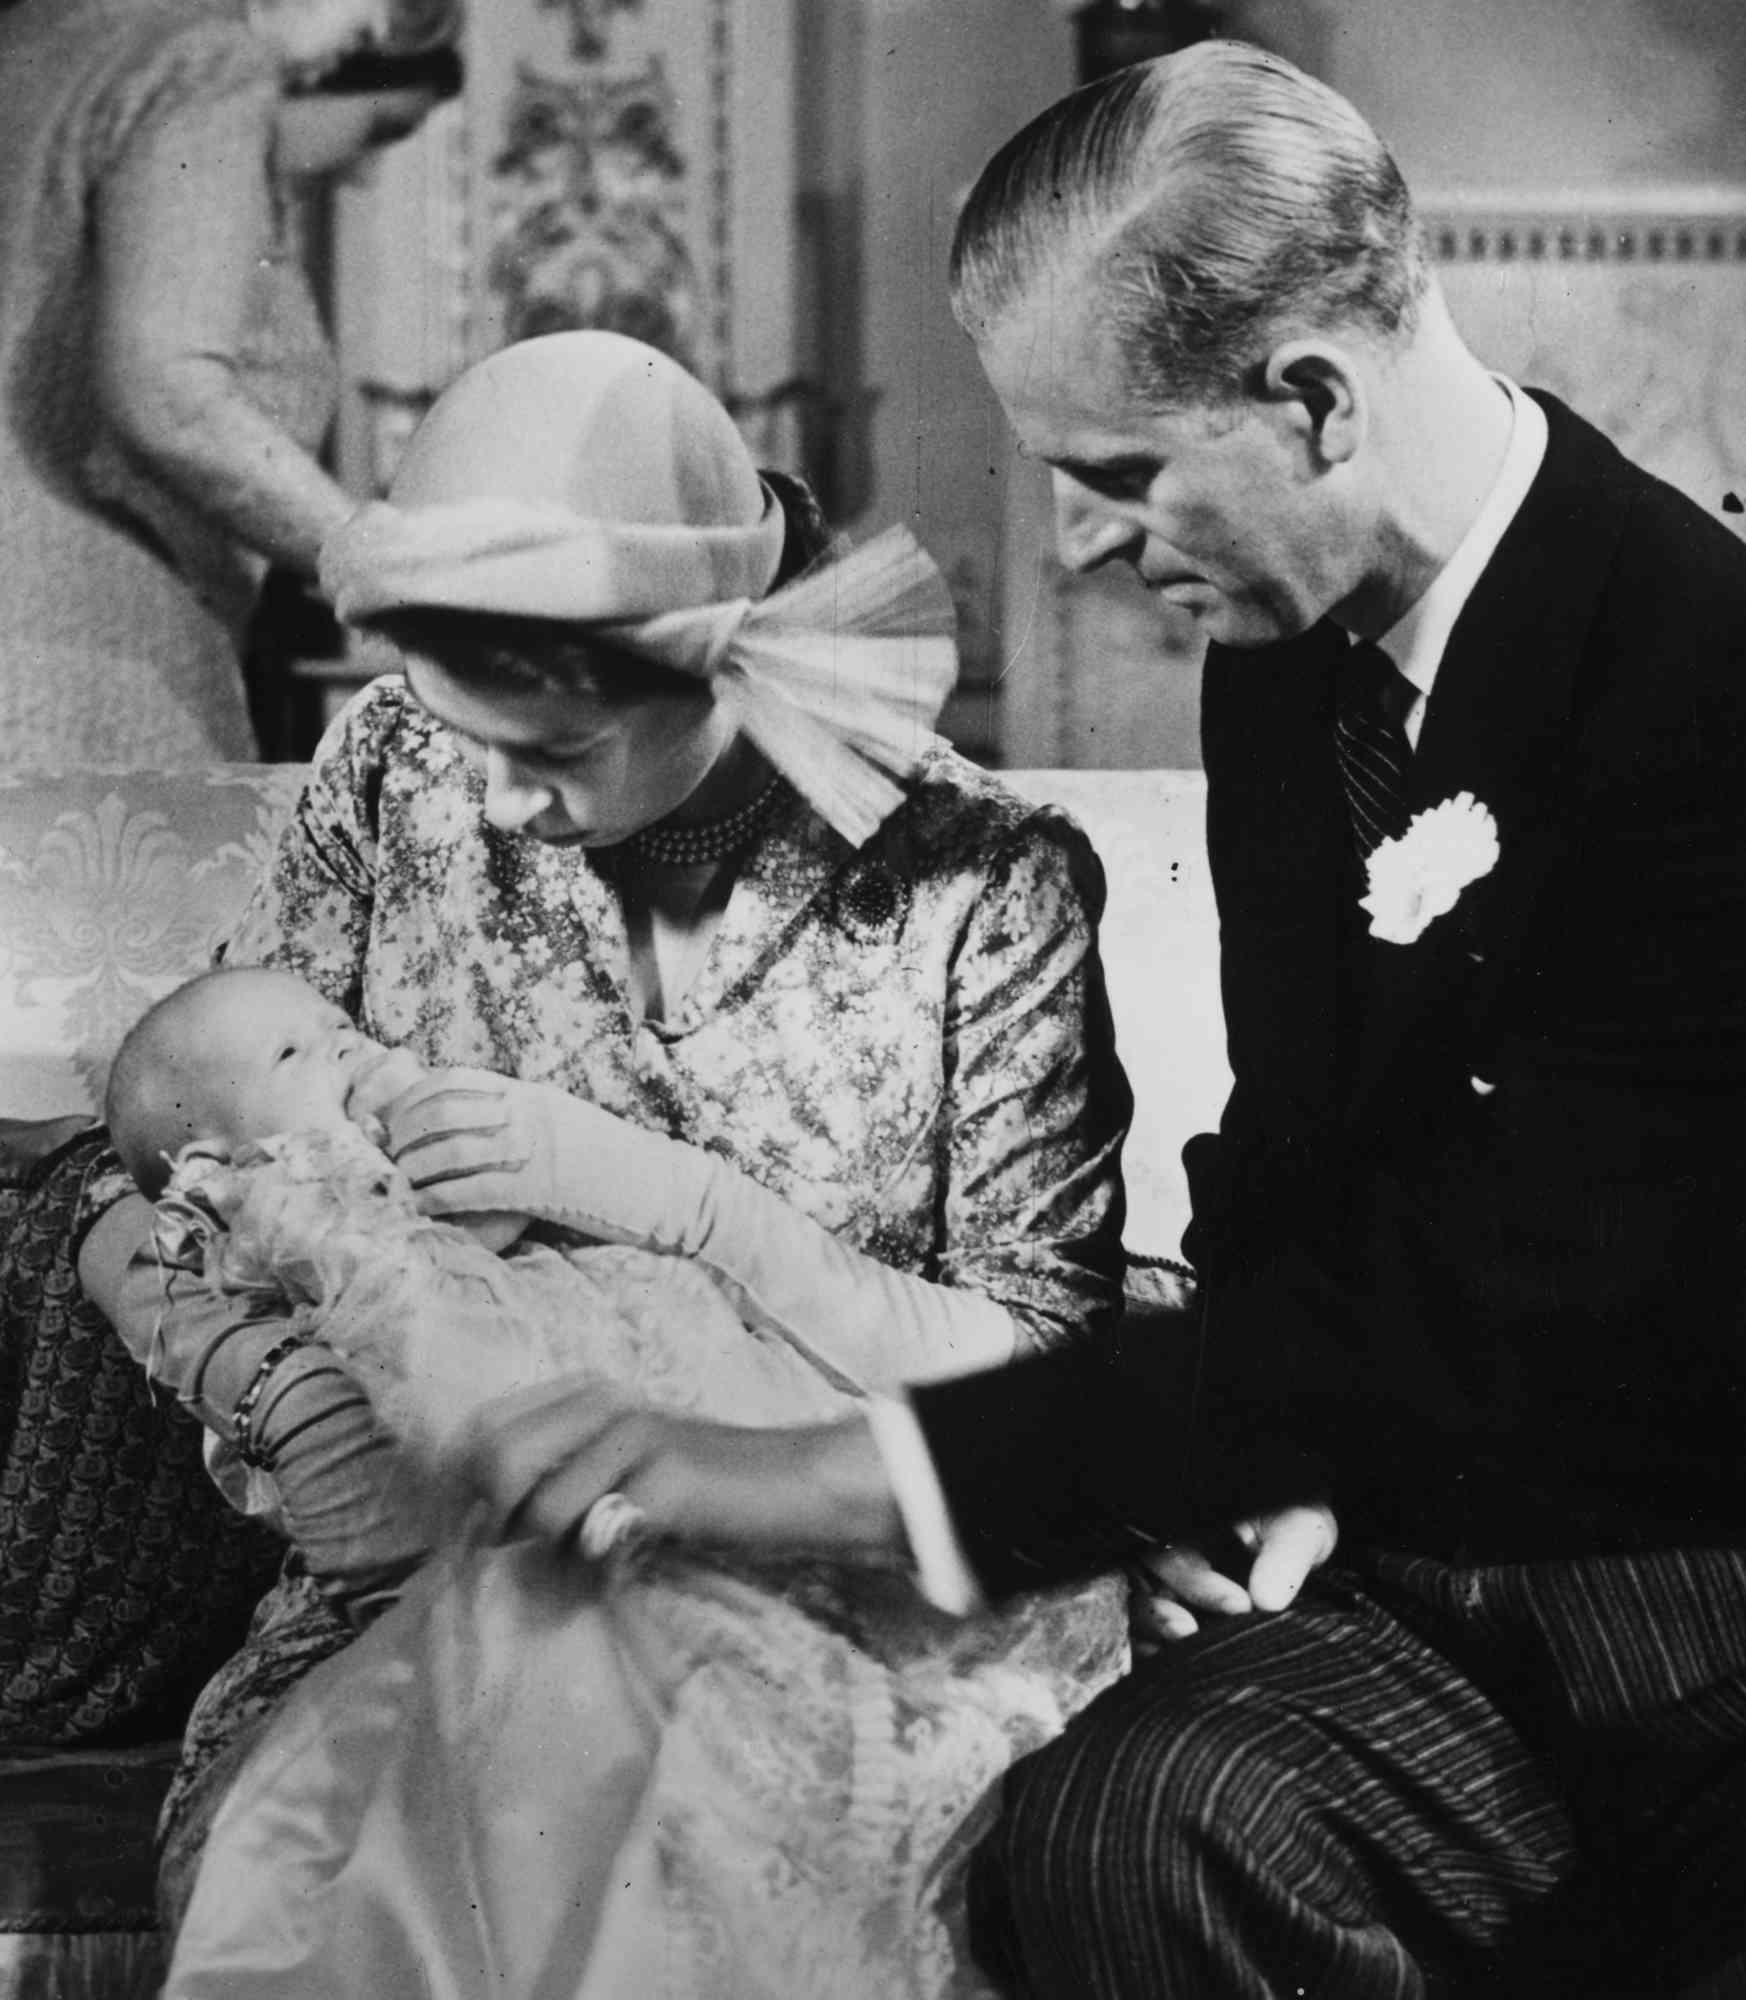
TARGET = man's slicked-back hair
(1212,202)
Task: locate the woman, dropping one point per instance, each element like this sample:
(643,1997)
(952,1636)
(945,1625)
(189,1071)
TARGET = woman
(841,1034)
(164,378)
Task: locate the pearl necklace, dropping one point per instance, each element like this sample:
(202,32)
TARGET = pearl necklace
(705,841)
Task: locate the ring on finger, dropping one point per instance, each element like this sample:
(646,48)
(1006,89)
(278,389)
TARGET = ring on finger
(608,1524)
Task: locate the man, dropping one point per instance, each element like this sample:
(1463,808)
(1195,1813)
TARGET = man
(1470,1234)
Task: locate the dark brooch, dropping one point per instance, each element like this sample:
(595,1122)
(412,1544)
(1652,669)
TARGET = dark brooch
(872,903)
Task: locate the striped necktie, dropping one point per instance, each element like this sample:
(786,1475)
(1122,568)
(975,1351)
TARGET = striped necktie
(1370,736)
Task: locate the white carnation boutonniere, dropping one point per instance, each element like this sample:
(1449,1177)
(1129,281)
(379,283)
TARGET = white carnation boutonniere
(1419,877)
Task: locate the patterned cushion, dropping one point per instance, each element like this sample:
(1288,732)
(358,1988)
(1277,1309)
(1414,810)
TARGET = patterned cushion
(124,1578)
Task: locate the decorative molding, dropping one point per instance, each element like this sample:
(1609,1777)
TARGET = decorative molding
(1611,240)
(1630,305)
(1705,226)
(719,183)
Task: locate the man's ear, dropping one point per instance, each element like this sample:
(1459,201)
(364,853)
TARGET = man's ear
(1319,381)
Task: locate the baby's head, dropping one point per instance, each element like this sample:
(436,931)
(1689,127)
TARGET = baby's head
(236,1054)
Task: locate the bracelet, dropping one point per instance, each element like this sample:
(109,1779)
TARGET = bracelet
(242,1417)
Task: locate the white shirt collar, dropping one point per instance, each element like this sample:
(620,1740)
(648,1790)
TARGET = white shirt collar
(1416,641)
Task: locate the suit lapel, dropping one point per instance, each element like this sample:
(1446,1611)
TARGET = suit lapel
(1498,725)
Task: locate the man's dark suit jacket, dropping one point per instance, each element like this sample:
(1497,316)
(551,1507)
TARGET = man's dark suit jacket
(1502,1323)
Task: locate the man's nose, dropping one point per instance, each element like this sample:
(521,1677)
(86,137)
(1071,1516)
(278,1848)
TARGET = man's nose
(1088,531)
(512,798)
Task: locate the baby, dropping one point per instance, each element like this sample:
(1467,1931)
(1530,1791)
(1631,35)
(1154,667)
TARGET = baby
(731,1776)
(241,1105)
(240,1054)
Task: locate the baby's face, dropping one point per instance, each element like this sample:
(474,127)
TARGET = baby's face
(273,1056)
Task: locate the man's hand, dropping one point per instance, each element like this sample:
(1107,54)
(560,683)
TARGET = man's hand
(543,1458)
(1176,1587)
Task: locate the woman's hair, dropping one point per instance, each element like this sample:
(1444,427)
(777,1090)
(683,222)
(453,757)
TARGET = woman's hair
(807,536)
(487,650)
(499,651)
(1211,202)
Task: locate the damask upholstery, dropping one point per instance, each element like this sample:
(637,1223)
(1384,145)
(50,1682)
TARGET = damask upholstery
(113,889)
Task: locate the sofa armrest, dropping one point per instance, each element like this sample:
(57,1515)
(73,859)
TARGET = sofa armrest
(26,1142)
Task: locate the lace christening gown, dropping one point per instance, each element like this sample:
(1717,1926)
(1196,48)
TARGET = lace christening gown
(660,1776)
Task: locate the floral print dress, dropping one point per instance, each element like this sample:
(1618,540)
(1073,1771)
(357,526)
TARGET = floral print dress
(910,1043)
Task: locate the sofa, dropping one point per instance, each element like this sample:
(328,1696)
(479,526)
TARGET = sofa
(123,1579)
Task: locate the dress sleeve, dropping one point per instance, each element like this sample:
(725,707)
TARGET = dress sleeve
(1037,1105)
(184,215)
(311,911)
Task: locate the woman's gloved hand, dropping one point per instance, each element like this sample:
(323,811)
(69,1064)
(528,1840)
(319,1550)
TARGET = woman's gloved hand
(472,1142)
(469,1141)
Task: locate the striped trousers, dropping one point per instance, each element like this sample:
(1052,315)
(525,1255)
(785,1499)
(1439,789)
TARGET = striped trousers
(1526,1780)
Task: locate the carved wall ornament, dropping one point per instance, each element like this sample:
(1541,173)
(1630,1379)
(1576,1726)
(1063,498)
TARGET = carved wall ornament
(590,22)
(589,214)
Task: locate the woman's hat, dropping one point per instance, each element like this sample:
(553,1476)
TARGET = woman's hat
(576,476)
(588,479)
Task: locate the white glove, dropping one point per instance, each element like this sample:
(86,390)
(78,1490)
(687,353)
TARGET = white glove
(470,1141)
